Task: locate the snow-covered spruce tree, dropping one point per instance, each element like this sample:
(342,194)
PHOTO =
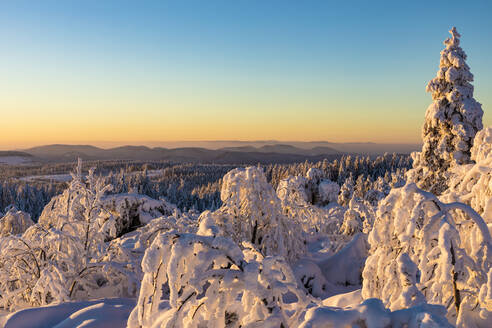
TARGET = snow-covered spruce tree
(346,191)
(451,121)
(449,242)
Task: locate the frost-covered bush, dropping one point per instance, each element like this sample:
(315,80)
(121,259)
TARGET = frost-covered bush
(56,264)
(449,243)
(254,214)
(312,189)
(328,192)
(14,222)
(451,121)
(296,197)
(472,183)
(51,266)
(359,217)
(130,248)
(194,280)
(346,191)
(129,211)
(320,191)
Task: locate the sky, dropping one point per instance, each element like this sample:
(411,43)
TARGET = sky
(136,72)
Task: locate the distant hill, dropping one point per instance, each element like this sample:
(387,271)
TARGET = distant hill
(8,153)
(15,157)
(285,149)
(368,148)
(234,155)
(242,153)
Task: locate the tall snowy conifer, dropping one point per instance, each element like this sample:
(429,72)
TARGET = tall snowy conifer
(451,121)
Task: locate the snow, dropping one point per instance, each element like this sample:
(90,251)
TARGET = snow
(94,314)
(372,314)
(49,177)
(345,267)
(343,300)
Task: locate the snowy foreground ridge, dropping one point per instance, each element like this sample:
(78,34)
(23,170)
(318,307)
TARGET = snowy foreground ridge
(310,254)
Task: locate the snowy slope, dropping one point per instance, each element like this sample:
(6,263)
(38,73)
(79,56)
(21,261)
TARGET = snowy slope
(100,313)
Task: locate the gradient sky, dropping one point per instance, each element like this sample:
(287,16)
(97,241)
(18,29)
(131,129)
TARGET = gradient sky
(141,71)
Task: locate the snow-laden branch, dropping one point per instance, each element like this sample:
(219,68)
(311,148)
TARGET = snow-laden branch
(447,207)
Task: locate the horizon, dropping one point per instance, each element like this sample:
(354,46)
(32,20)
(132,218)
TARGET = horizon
(171,144)
(134,73)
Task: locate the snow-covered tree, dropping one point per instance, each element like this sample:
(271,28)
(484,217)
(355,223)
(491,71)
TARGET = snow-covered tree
(57,264)
(207,280)
(14,222)
(449,242)
(451,121)
(255,214)
(358,217)
(296,196)
(346,191)
(472,183)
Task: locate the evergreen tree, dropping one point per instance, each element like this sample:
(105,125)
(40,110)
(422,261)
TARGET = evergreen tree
(451,121)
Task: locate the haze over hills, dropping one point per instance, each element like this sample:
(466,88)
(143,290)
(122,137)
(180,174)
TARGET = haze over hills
(370,148)
(264,154)
(220,152)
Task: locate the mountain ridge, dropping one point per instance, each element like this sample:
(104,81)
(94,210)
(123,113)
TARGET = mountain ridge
(247,153)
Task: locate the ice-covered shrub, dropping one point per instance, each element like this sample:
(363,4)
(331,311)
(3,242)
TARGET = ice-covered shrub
(14,222)
(472,183)
(359,217)
(129,211)
(346,191)
(449,243)
(51,266)
(45,265)
(293,190)
(130,248)
(194,280)
(254,214)
(296,196)
(451,121)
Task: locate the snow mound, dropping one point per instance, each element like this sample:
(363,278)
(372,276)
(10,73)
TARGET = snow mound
(372,314)
(94,314)
(345,267)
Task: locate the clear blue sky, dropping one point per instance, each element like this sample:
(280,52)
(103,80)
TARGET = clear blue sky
(141,71)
